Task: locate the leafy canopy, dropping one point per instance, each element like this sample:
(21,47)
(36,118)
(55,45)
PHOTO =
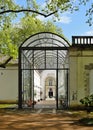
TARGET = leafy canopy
(12,35)
(58,6)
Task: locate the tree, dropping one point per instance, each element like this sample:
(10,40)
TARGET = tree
(5,19)
(70,5)
(6,44)
(14,35)
(30,25)
(51,7)
(11,36)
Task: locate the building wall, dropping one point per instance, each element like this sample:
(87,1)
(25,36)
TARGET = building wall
(80,78)
(37,87)
(91,81)
(44,75)
(9,84)
(81,74)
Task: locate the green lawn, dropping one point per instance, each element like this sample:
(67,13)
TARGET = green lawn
(5,105)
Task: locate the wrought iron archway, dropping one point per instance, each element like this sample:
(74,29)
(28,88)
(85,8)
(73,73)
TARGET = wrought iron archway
(41,51)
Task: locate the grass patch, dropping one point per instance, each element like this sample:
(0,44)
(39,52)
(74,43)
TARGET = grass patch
(5,105)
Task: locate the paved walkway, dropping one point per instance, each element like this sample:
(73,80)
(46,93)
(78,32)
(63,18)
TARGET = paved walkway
(49,103)
(31,120)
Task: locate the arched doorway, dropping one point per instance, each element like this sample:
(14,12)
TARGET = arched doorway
(50,88)
(43,51)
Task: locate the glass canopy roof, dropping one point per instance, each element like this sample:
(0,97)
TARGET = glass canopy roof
(42,51)
(45,39)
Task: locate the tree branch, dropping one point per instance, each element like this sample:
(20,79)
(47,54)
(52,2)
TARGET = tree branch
(51,13)
(3,65)
(25,10)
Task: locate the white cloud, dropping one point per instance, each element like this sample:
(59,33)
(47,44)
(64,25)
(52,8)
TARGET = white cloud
(90,33)
(64,19)
(42,18)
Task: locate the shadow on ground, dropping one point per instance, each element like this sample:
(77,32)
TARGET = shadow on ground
(25,120)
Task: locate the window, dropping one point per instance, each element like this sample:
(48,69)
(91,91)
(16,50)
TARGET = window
(50,82)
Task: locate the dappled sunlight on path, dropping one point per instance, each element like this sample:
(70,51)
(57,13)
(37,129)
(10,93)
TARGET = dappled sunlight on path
(17,120)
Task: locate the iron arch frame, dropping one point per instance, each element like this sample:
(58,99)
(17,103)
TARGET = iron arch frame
(42,51)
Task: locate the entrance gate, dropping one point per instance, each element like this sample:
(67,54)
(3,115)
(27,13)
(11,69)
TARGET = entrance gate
(43,51)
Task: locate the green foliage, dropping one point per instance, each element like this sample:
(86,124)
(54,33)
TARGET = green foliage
(89,14)
(50,6)
(11,36)
(69,5)
(6,5)
(86,121)
(30,25)
(6,44)
(32,4)
(87,101)
(14,34)
(64,5)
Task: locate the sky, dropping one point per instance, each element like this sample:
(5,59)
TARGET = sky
(72,24)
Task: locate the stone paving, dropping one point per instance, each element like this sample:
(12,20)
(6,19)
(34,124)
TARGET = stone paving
(13,119)
(49,103)
(43,117)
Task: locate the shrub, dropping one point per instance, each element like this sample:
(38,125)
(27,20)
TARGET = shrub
(87,101)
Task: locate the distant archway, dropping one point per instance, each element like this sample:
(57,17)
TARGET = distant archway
(50,84)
